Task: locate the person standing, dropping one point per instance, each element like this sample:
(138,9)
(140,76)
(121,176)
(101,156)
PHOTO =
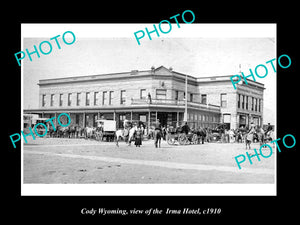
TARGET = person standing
(149,98)
(231,135)
(138,137)
(185,128)
(226,133)
(157,134)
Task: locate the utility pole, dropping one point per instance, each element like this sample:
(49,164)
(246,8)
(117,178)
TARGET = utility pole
(186,97)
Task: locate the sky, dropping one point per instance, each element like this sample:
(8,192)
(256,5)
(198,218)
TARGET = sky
(193,55)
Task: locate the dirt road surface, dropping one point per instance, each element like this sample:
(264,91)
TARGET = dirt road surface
(75,161)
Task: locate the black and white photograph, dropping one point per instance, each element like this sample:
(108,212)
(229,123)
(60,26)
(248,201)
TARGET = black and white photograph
(191,112)
(149,111)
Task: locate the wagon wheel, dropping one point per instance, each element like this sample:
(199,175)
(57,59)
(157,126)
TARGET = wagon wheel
(194,139)
(170,140)
(182,139)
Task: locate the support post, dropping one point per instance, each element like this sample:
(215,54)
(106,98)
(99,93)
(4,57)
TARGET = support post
(84,119)
(55,119)
(149,122)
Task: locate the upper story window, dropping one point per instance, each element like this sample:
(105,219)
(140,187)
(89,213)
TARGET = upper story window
(87,99)
(143,94)
(52,100)
(176,95)
(191,97)
(60,99)
(204,99)
(96,98)
(78,98)
(111,97)
(69,99)
(161,93)
(123,97)
(224,100)
(43,100)
(243,101)
(104,98)
(255,105)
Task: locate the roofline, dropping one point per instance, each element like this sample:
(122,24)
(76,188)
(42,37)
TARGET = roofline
(84,78)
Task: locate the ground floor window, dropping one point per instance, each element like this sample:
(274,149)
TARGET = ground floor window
(77,118)
(143,118)
(122,117)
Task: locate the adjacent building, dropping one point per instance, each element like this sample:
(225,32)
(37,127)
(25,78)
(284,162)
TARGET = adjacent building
(158,93)
(238,107)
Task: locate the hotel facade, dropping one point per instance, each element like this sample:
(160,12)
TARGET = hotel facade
(158,93)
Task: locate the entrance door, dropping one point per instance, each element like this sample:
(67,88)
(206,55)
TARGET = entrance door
(256,121)
(227,120)
(242,121)
(163,118)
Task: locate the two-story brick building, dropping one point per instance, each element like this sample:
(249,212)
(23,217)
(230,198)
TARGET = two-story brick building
(158,93)
(238,107)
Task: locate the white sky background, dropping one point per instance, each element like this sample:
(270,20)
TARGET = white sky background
(194,49)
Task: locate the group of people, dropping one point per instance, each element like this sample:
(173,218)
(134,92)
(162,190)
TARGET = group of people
(226,135)
(237,135)
(159,132)
(140,130)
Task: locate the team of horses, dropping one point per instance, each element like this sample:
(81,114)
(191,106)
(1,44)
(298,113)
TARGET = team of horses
(76,132)
(91,133)
(127,135)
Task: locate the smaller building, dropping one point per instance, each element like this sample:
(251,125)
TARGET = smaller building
(238,107)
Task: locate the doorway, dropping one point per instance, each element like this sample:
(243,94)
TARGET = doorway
(163,118)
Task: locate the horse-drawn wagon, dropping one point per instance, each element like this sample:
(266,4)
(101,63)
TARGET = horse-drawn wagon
(175,136)
(106,129)
(216,133)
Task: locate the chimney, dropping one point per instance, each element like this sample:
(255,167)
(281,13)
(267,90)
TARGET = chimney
(152,69)
(134,72)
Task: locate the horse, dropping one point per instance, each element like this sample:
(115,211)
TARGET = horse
(240,134)
(52,132)
(126,134)
(201,134)
(151,133)
(157,137)
(261,136)
(72,131)
(68,132)
(270,136)
(99,133)
(89,132)
(79,132)
(59,131)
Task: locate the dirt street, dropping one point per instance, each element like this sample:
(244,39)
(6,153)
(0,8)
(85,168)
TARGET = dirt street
(50,160)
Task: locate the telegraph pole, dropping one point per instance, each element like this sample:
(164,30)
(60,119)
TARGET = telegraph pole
(186,97)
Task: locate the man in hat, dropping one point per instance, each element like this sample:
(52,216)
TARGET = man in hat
(185,128)
(157,133)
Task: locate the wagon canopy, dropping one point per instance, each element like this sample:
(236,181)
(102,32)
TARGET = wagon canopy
(108,125)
